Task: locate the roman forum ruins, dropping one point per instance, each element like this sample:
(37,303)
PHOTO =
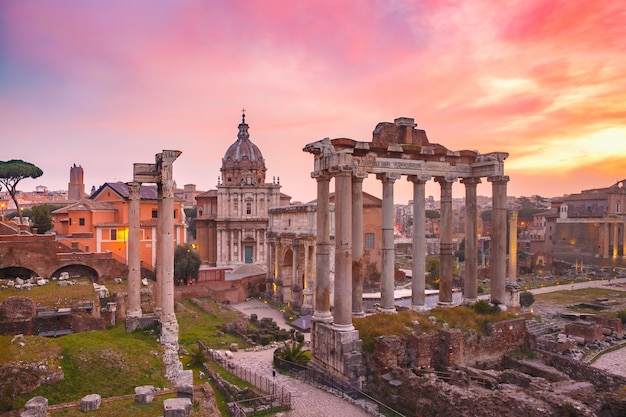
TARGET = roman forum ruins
(161,173)
(396,149)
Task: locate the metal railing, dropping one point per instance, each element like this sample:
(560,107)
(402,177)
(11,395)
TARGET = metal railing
(278,395)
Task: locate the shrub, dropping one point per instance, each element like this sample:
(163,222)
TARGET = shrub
(526,299)
(253,317)
(294,353)
(622,316)
(484,307)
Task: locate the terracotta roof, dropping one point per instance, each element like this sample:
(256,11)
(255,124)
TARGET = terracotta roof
(147,192)
(85,205)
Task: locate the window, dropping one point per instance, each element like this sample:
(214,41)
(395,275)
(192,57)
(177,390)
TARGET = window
(248,208)
(81,221)
(113,234)
(369,241)
(174,213)
(155,214)
(70,221)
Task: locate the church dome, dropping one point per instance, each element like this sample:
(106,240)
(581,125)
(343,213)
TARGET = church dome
(243,162)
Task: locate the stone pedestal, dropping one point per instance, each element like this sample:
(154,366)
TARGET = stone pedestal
(177,407)
(512,291)
(90,402)
(338,352)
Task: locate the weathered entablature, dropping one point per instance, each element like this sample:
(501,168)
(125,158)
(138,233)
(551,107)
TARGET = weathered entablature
(396,149)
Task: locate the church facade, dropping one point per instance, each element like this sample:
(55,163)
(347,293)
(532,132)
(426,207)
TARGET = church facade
(232,220)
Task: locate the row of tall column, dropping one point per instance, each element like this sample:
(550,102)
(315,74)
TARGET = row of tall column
(612,229)
(349,243)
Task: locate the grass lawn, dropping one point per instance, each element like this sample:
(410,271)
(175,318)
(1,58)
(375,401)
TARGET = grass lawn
(50,294)
(109,363)
(572,298)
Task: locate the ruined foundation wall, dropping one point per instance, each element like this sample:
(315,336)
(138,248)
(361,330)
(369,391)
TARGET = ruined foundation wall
(602,380)
(449,347)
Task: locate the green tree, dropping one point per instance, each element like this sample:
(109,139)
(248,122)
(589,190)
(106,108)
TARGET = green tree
(430,215)
(41,218)
(14,171)
(432,267)
(186,264)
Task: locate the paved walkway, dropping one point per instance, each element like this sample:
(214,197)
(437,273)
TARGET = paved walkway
(307,400)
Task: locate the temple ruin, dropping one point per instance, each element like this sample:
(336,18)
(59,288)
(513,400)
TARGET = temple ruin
(160,173)
(397,149)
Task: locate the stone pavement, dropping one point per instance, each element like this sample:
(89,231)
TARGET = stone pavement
(307,400)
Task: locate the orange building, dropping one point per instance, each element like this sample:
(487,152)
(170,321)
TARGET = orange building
(100,223)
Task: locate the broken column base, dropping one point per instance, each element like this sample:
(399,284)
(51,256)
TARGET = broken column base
(338,352)
(512,292)
(144,321)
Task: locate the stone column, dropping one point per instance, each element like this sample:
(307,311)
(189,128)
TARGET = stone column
(615,243)
(159,251)
(357,245)
(418,280)
(167,234)
(134,252)
(606,238)
(498,239)
(624,240)
(322,251)
(513,248)
(470,289)
(388,261)
(343,249)
(445,242)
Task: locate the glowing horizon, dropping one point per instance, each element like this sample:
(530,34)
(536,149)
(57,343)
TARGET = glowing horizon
(104,85)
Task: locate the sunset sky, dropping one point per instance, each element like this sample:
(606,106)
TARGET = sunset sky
(104,84)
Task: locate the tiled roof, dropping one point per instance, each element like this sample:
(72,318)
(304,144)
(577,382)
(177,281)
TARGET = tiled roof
(147,192)
(85,205)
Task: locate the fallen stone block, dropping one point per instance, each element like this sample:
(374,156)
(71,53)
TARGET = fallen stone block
(177,407)
(90,402)
(184,384)
(144,394)
(36,407)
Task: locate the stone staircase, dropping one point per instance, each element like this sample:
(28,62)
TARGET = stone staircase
(540,328)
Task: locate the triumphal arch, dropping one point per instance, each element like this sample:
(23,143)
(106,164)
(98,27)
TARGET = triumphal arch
(397,149)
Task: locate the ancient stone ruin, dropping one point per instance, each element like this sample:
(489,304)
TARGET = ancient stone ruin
(396,149)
